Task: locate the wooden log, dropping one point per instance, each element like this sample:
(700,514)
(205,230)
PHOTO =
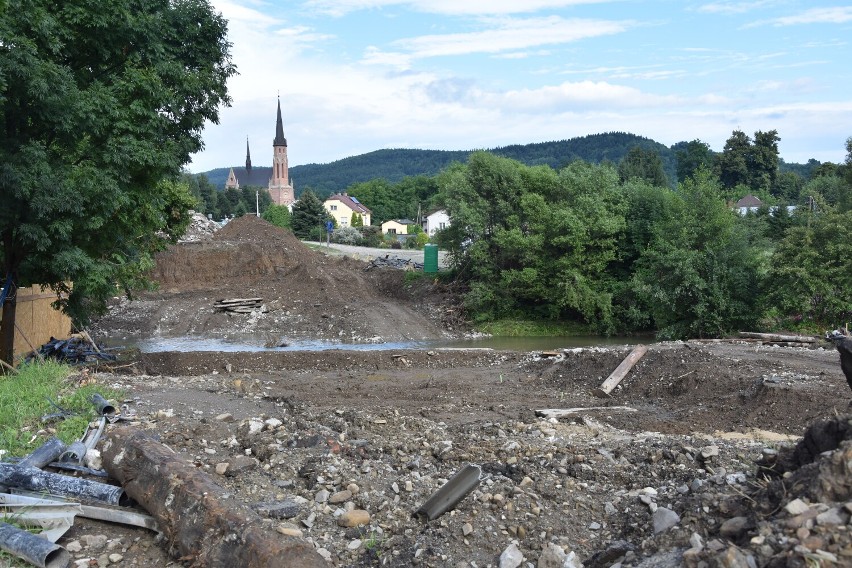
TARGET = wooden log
(621,371)
(199,523)
(563,412)
(778,337)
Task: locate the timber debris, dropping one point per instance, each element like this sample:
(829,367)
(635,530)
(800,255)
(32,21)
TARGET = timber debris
(76,350)
(239,305)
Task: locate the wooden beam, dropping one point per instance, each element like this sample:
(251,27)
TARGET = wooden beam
(621,371)
(777,337)
(563,412)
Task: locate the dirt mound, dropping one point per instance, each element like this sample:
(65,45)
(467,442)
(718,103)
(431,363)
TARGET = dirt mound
(246,250)
(305,294)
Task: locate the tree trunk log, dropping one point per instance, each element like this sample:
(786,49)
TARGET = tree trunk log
(200,524)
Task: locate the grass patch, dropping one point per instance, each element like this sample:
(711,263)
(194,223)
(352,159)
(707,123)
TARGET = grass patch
(531,328)
(25,398)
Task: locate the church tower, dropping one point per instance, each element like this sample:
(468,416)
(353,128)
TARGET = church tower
(280,189)
(248,159)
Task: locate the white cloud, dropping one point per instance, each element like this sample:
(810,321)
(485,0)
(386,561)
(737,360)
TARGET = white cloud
(833,15)
(729,8)
(510,35)
(446,7)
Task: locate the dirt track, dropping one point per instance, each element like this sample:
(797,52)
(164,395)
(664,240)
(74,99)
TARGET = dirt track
(383,430)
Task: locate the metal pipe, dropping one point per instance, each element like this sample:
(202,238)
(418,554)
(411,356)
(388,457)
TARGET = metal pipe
(32,548)
(33,479)
(103,407)
(75,453)
(44,454)
(450,493)
(90,440)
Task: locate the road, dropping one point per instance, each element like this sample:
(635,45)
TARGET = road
(368,253)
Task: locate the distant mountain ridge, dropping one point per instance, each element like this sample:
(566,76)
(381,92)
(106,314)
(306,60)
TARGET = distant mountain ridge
(396,164)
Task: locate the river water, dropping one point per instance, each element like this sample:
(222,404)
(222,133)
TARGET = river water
(189,344)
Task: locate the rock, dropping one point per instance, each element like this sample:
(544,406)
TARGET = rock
(74,546)
(289,530)
(833,517)
(222,468)
(115,558)
(96,541)
(511,557)
(467,528)
(340,497)
(664,519)
(551,557)
(612,553)
(733,557)
(240,464)
(796,507)
(708,452)
(735,527)
(93,459)
(321,496)
(286,509)
(354,518)
(225,417)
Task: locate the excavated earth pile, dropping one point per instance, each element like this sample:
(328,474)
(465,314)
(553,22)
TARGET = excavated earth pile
(303,294)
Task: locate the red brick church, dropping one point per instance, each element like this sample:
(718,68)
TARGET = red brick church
(279,185)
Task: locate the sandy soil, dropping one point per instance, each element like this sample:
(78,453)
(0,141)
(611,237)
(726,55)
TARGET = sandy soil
(693,431)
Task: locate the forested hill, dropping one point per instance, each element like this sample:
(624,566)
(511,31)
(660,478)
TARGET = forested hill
(394,165)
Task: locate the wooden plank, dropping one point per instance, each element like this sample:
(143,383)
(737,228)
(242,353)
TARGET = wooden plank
(778,337)
(621,371)
(563,412)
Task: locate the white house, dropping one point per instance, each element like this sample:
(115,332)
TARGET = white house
(435,221)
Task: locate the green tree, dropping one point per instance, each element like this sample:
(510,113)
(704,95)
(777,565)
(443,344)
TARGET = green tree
(698,276)
(811,271)
(763,161)
(278,215)
(643,164)
(356,220)
(100,103)
(732,165)
(309,216)
(695,155)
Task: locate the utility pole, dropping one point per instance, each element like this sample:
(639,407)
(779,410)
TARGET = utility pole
(257,201)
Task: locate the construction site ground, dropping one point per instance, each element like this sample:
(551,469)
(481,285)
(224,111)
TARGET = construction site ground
(663,472)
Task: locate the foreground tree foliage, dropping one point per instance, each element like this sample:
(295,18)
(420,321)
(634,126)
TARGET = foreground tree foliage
(531,240)
(698,276)
(100,102)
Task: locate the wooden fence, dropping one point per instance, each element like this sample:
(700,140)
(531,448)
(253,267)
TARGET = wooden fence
(36,320)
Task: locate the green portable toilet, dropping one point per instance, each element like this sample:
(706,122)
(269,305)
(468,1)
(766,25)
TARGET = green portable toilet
(430,258)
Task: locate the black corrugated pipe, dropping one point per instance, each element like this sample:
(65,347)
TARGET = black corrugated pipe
(33,479)
(32,548)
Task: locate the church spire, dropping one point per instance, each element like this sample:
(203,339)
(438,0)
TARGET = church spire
(279,129)
(248,158)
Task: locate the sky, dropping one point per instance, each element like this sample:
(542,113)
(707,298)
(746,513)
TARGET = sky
(354,76)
